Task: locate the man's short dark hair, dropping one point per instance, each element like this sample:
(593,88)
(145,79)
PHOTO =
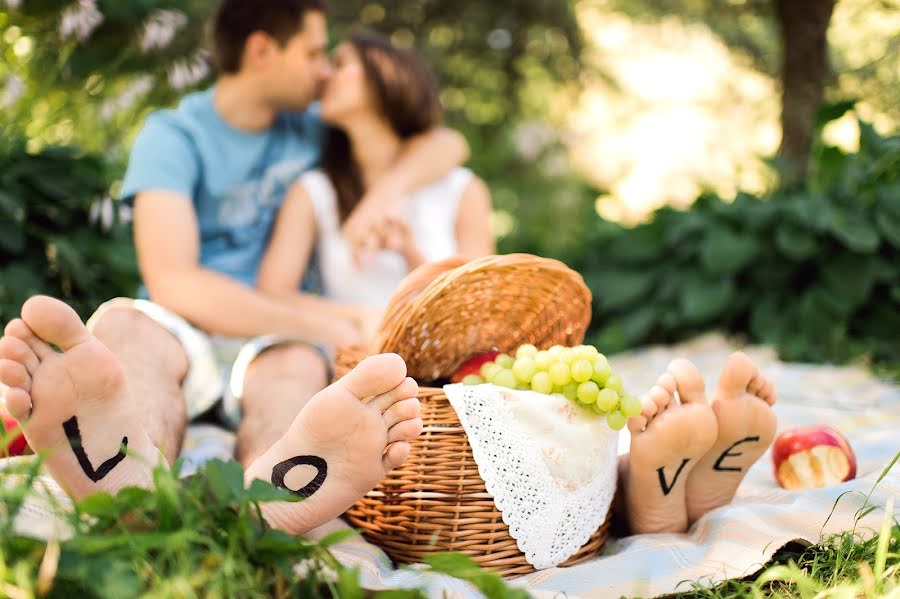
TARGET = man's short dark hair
(237,19)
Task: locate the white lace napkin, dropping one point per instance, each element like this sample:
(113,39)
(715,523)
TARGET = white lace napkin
(550,466)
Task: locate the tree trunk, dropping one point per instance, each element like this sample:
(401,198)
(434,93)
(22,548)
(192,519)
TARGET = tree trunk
(804,29)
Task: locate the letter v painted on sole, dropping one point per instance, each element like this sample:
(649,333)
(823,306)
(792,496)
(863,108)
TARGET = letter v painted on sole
(74,436)
(667,488)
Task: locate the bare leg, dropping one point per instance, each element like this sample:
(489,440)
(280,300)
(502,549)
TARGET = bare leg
(278,384)
(154,364)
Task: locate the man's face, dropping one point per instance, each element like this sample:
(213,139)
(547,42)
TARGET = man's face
(301,67)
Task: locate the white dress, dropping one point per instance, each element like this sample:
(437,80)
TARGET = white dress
(431,213)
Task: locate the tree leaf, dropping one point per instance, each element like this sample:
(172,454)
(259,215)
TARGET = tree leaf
(705,299)
(99,504)
(225,479)
(261,491)
(725,251)
(854,233)
(336,537)
(614,290)
(889,225)
(833,111)
(641,244)
(847,282)
(798,244)
(12,237)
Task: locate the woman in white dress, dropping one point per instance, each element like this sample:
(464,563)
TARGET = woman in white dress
(378,96)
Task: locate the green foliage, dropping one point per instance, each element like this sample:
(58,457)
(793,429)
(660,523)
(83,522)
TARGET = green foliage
(48,243)
(813,270)
(198,536)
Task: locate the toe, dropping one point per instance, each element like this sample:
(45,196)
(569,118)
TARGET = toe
(13,348)
(395,455)
(660,397)
(767,392)
(375,375)
(738,372)
(756,384)
(54,322)
(13,374)
(18,403)
(659,401)
(637,424)
(18,329)
(688,380)
(651,404)
(667,382)
(405,390)
(407,430)
(406,409)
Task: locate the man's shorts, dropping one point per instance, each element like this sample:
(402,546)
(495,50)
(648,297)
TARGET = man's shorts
(217,364)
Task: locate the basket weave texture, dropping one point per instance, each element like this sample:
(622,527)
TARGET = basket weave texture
(440,316)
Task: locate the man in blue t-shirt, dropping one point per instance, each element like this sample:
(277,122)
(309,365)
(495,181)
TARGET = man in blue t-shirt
(206,180)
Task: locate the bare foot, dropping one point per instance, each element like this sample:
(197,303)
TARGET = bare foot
(338,448)
(73,406)
(667,441)
(743,407)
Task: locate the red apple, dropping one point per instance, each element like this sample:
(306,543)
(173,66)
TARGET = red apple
(472,366)
(17,445)
(812,457)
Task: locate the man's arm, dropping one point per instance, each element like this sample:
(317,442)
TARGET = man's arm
(168,249)
(425,158)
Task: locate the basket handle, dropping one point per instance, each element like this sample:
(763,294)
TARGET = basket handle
(409,288)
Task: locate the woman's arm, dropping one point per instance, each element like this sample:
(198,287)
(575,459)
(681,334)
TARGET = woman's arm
(473,221)
(284,264)
(290,245)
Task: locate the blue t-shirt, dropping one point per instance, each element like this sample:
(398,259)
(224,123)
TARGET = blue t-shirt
(236,180)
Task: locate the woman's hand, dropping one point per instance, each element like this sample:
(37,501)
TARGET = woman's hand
(395,235)
(361,229)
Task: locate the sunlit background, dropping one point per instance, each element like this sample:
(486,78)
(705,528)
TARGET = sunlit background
(652,104)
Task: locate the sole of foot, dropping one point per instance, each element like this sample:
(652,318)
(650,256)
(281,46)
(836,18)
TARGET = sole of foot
(668,439)
(341,444)
(746,423)
(73,405)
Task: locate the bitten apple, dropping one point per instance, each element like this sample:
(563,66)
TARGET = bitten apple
(17,444)
(472,366)
(812,457)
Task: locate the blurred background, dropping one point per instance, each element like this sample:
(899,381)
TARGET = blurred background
(706,165)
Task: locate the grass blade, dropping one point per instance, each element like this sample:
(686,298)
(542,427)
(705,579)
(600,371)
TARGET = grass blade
(883,542)
(888,469)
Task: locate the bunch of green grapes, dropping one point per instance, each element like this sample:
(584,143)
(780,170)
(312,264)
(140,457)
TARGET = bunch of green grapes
(582,374)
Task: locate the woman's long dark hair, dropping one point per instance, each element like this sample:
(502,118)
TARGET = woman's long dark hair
(405,94)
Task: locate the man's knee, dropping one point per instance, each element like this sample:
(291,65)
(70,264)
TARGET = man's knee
(295,362)
(120,327)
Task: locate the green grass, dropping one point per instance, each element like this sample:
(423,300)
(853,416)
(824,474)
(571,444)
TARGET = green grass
(204,537)
(849,565)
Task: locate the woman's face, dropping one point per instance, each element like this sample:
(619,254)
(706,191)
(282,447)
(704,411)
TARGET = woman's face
(346,93)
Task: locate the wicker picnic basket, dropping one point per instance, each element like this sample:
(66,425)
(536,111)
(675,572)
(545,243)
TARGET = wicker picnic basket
(440,316)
